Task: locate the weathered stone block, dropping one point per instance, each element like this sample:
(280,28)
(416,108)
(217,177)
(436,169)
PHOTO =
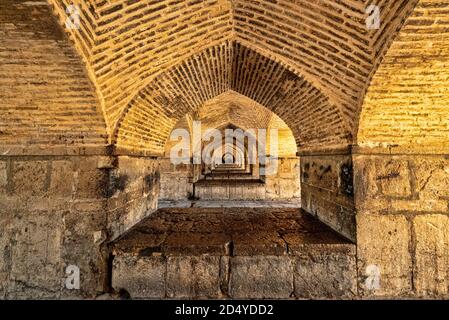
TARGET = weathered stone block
(104,162)
(321,173)
(328,193)
(261,277)
(365,180)
(419,205)
(78,224)
(141,277)
(329,209)
(432,178)
(6,220)
(236,193)
(431,268)
(29,178)
(92,184)
(62,178)
(193,277)
(383,244)
(174,187)
(198,243)
(326,273)
(260,243)
(3,176)
(83,247)
(393,177)
(36,252)
(272,188)
(287,188)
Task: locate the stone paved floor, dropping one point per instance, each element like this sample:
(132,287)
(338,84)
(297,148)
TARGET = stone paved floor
(227,231)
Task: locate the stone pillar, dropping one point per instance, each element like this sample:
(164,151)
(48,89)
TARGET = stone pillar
(402,224)
(133,192)
(327,190)
(59,211)
(52,215)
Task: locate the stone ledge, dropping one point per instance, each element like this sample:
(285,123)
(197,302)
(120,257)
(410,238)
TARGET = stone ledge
(325,275)
(198,253)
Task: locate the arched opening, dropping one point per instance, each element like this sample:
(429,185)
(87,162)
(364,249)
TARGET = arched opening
(246,152)
(230,199)
(91,178)
(228,158)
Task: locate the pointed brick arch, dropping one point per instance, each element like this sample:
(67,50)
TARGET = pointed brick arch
(230,66)
(128,44)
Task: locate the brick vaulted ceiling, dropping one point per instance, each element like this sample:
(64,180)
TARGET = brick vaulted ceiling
(229,66)
(234,108)
(310,62)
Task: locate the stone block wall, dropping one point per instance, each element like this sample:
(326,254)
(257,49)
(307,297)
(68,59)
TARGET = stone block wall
(327,191)
(57,211)
(52,214)
(133,192)
(285,184)
(402,224)
(239,277)
(176,180)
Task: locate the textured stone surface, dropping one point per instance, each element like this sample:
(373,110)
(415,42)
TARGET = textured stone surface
(133,192)
(401,183)
(261,277)
(235,252)
(142,277)
(55,213)
(383,242)
(431,268)
(262,231)
(36,266)
(432,178)
(3,176)
(402,208)
(29,178)
(62,178)
(394,178)
(327,191)
(193,277)
(325,273)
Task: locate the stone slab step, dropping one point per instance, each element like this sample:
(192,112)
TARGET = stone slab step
(230,176)
(234,253)
(230,190)
(228,166)
(219,172)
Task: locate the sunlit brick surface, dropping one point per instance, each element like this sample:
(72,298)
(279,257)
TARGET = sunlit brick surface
(215,71)
(127,44)
(408,101)
(46,97)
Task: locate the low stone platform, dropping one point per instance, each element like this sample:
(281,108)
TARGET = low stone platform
(230,189)
(239,204)
(196,253)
